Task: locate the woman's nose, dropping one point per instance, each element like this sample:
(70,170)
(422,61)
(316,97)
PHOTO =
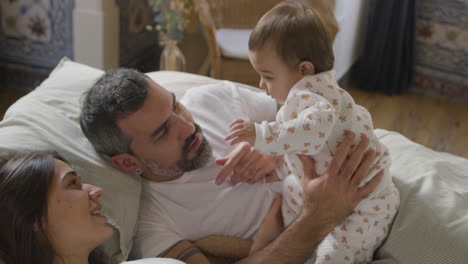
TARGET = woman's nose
(95,192)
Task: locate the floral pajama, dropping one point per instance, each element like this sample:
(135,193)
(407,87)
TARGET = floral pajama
(313,121)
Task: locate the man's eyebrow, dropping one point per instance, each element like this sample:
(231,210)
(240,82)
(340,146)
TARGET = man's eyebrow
(160,128)
(265,71)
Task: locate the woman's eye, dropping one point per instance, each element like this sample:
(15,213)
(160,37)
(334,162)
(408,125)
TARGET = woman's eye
(75,183)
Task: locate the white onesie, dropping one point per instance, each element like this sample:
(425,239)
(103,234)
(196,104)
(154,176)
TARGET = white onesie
(313,120)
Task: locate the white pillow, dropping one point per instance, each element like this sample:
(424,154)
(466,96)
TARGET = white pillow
(180,82)
(432,223)
(234,43)
(48,119)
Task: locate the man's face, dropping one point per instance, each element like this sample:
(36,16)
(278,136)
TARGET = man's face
(164,137)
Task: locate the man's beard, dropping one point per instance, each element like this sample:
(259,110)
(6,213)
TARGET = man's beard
(184,164)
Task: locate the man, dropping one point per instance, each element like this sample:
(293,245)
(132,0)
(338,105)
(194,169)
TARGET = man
(184,162)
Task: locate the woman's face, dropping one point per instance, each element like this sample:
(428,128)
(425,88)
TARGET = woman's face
(74,221)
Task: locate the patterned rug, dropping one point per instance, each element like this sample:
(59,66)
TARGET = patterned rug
(35,35)
(441,52)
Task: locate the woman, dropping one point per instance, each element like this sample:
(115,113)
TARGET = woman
(48,214)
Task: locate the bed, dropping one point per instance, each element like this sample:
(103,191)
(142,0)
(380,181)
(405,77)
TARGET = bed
(431,226)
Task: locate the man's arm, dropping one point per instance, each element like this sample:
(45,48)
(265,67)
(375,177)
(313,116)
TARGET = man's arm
(186,252)
(294,245)
(337,189)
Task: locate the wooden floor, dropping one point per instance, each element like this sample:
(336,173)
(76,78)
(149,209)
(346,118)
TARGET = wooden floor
(431,121)
(434,122)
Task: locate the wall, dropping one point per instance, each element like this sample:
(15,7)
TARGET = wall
(351,16)
(138,47)
(96,33)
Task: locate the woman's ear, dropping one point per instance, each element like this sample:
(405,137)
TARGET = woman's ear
(307,68)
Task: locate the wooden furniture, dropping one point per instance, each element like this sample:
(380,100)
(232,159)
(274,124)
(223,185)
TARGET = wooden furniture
(242,14)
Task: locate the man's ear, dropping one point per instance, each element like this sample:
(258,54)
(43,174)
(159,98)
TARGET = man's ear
(126,162)
(307,68)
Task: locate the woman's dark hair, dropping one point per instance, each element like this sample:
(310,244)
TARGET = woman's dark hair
(25,181)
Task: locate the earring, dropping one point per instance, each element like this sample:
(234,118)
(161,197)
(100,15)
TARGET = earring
(138,171)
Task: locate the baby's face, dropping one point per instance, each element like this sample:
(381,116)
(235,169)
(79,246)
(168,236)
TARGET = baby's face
(277,77)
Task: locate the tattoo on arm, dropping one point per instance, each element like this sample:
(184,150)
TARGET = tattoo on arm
(167,251)
(188,253)
(185,251)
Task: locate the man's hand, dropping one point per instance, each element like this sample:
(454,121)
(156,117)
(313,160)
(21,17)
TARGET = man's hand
(333,196)
(241,131)
(245,163)
(328,200)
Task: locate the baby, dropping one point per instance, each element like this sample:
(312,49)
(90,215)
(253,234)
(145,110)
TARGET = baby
(292,51)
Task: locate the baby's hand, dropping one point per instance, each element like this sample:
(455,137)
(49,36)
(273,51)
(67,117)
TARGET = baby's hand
(240,131)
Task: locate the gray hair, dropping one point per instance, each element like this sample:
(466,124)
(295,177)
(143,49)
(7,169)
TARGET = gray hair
(117,94)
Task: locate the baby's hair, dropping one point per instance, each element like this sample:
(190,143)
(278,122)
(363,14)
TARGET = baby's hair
(297,34)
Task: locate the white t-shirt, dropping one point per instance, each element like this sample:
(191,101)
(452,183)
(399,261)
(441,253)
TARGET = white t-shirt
(193,206)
